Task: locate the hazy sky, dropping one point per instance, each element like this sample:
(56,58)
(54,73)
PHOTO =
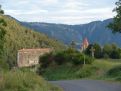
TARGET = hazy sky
(59,11)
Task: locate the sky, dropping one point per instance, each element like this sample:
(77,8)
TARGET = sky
(59,11)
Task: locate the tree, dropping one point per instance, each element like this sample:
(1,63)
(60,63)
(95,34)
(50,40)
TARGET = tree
(98,50)
(87,51)
(3,64)
(73,44)
(1,11)
(116,24)
(111,51)
(116,53)
(94,50)
(2,31)
(107,50)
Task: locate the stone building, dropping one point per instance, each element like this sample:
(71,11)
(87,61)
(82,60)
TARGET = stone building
(30,57)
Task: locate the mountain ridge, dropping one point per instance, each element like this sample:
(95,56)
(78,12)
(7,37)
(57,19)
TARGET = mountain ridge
(96,32)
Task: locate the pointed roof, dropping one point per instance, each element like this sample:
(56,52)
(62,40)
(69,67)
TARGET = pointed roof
(85,43)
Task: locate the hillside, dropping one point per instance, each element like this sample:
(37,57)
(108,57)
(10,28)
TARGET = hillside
(18,37)
(95,31)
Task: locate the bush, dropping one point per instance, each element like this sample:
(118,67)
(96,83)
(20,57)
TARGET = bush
(3,65)
(60,58)
(116,54)
(77,59)
(111,51)
(63,57)
(115,72)
(80,58)
(98,50)
(46,60)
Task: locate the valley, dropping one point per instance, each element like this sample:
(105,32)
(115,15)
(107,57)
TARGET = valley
(68,54)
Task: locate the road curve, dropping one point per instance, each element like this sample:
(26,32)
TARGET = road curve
(87,85)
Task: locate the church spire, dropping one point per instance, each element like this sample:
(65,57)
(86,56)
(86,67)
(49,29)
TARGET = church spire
(85,44)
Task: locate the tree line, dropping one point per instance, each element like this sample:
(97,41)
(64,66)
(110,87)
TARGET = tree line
(107,51)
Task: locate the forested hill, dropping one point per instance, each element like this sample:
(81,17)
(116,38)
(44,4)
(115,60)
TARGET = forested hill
(18,37)
(96,31)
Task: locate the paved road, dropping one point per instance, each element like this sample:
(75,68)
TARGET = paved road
(88,85)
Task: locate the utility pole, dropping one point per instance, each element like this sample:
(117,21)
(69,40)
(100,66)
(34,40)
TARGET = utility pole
(84,60)
(92,51)
(83,50)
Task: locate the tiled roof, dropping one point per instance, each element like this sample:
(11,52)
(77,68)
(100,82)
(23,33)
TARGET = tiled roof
(36,49)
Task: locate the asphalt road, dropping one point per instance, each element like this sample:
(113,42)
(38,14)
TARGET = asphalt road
(87,85)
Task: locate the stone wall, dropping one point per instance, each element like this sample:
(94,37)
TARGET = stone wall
(30,57)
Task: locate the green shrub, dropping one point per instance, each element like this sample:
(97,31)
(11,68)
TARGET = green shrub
(46,60)
(116,54)
(62,57)
(80,58)
(88,60)
(115,72)
(77,59)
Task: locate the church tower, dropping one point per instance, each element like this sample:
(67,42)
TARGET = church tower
(84,44)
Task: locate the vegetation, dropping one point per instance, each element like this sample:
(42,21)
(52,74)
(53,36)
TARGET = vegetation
(58,65)
(107,51)
(1,11)
(115,73)
(113,51)
(69,64)
(66,60)
(69,55)
(12,38)
(3,64)
(2,31)
(18,37)
(116,24)
(17,80)
(97,70)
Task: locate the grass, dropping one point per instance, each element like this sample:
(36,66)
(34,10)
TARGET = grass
(97,70)
(59,73)
(24,81)
(103,66)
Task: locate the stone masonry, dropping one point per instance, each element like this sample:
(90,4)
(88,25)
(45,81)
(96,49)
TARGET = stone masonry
(30,57)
